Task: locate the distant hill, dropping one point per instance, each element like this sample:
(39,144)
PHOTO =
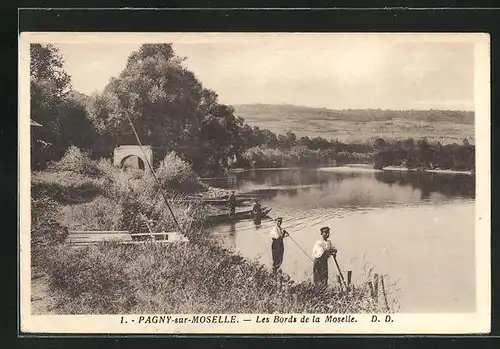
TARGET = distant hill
(254,112)
(360,124)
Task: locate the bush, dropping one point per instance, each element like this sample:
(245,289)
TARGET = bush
(176,175)
(267,157)
(77,161)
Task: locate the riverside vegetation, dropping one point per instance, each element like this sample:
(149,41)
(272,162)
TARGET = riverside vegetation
(193,277)
(172,111)
(78,188)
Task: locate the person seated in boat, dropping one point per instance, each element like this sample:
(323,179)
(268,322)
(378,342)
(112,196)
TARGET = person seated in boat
(257,213)
(257,209)
(323,249)
(232,203)
(277,234)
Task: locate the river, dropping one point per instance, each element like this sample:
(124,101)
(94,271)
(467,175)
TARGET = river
(417,229)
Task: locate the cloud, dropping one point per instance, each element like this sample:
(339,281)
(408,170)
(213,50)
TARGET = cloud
(321,70)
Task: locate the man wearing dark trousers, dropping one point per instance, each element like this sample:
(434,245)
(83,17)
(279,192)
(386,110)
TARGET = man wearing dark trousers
(277,247)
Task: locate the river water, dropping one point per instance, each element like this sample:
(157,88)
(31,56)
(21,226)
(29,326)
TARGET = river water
(417,229)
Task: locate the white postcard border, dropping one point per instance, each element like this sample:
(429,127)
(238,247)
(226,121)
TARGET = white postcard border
(404,323)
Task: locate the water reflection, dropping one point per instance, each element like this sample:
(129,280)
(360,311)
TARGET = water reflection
(232,234)
(365,189)
(451,185)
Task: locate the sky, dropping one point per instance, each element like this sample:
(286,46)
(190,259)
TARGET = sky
(330,71)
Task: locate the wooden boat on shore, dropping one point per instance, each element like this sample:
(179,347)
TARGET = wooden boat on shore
(239,215)
(224,201)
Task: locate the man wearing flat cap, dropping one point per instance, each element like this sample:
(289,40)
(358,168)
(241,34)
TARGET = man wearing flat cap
(278,249)
(322,250)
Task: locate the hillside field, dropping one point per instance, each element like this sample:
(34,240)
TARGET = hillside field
(447,126)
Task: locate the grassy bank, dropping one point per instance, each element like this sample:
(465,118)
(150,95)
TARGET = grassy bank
(109,278)
(181,278)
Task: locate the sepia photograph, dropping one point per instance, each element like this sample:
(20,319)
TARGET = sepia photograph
(254,183)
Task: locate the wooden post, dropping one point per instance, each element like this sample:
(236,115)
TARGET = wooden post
(375,285)
(349,277)
(371,289)
(385,295)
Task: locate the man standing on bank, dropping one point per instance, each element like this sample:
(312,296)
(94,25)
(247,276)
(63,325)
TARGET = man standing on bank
(278,249)
(321,251)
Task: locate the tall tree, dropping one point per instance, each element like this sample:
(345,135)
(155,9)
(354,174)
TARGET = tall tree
(48,85)
(159,95)
(169,108)
(60,111)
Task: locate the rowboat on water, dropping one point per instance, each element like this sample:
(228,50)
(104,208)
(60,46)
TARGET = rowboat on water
(239,215)
(224,201)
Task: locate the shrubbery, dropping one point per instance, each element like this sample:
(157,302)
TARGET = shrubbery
(267,157)
(425,155)
(176,175)
(77,161)
(408,153)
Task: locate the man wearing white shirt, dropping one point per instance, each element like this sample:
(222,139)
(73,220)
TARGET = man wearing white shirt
(321,251)
(278,249)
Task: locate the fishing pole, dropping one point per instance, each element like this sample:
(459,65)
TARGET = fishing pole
(153,173)
(334,258)
(340,272)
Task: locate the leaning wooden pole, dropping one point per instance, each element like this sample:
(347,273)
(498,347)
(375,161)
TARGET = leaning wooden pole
(383,291)
(154,175)
(340,272)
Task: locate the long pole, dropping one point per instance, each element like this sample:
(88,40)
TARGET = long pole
(385,295)
(300,247)
(334,258)
(153,173)
(340,272)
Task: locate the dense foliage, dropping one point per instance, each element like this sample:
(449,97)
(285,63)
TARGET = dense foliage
(63,117)
(172,111)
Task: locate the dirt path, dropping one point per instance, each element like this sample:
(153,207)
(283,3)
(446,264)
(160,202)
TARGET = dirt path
(42,303)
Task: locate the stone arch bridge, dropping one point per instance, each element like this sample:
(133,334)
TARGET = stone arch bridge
(125,155)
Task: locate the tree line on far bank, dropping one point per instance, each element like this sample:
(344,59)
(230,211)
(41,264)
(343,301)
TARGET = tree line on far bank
(172,111)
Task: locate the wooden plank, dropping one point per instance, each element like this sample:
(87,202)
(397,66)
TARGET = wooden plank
(83,244)
(102,238)
(134,234)
(154,234)
(99,232)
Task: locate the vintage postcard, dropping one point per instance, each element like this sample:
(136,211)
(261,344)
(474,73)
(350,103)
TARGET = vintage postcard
(254,183)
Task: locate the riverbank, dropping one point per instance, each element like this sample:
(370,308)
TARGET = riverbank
(365,168)
(354,168)
(380,153)
(110,278)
